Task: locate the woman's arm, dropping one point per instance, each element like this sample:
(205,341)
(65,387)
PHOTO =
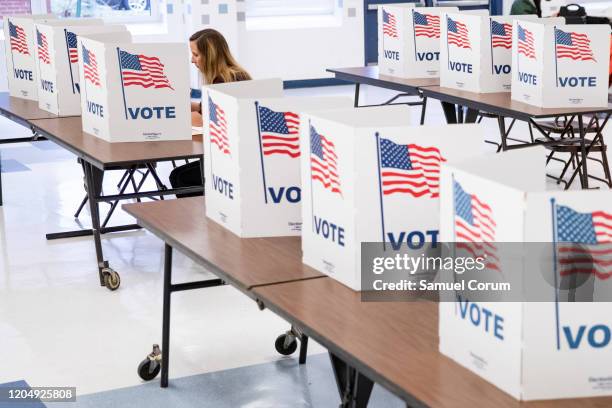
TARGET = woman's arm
(195,106)
(196,119)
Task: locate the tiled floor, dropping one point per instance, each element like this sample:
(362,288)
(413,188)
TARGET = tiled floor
(59,327)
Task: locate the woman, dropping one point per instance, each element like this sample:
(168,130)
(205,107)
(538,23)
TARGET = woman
(526,7)
(211,55)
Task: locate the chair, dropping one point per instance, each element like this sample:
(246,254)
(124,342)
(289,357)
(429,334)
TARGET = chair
(569,143)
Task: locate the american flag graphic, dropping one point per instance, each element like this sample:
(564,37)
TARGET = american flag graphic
(525,43)
(324,161)
(43,47)
(389,24)
(585,242)
(457,33)
(475,227)
(279,132)
(19,41)
(572,45)
(410,169)
(144,71)
(90,67)
(71,40)
(426,25)
(501,35)
(218,126)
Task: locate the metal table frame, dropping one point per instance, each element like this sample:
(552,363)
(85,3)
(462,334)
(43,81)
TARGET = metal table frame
(454,103)
(354,380)
(222,279)
(406,90)
(94,175)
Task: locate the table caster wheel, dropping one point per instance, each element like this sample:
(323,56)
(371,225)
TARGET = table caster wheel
(112,280)
(286,344)
(150,366)
(148,370)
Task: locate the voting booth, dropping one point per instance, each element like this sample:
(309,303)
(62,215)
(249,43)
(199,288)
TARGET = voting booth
(251,142)
(20,51)
(57,63)
(409,40)
(542,347)
(134,92)
(367,176)
(560,66)
(477,55)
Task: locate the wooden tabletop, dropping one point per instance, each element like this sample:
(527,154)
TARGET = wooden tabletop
(502,104)
(246,263)
(370,76)
(68,133)
(21,110)
(393,343)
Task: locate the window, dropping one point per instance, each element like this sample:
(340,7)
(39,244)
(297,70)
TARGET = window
(270,8)
(116,11)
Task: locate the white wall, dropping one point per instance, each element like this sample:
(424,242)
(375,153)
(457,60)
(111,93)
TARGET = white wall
(286,47)
(289,48)
(305,53)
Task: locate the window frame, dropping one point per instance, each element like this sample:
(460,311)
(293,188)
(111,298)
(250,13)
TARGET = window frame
(156,16)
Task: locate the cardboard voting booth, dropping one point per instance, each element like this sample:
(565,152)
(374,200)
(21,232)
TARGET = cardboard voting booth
(20,52)
(367,176)
(542,347)
(57,64)
(134,92)
(477,55)
(252,150)
(560,66)
(409,40)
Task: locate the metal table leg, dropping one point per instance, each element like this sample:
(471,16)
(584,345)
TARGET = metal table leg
(94,177)
(303,348)
(149,367)
(166,315)
(584,177)
(423,108)
(502,132)
(471,115)
(354,388)
(450,112)
(356,103)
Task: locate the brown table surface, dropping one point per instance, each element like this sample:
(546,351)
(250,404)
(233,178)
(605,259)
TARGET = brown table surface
(245,263)
(68,133)
(502,104)
(370,76)
(394,344)
(21,110)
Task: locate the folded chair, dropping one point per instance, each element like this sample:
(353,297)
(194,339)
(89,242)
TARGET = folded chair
(569,143)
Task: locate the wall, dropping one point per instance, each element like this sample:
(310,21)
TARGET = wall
(10,7)
(266,48)
(289,48)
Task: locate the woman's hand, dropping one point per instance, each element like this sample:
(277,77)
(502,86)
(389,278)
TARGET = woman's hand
(196,119)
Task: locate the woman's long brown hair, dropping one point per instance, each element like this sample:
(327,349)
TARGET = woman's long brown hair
(218,63)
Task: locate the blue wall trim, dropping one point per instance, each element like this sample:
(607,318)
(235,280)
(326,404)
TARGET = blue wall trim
(310,83)
(302,83)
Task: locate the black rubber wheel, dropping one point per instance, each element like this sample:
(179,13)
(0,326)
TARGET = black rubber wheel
(112,280)
(145,372)
(279,344)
